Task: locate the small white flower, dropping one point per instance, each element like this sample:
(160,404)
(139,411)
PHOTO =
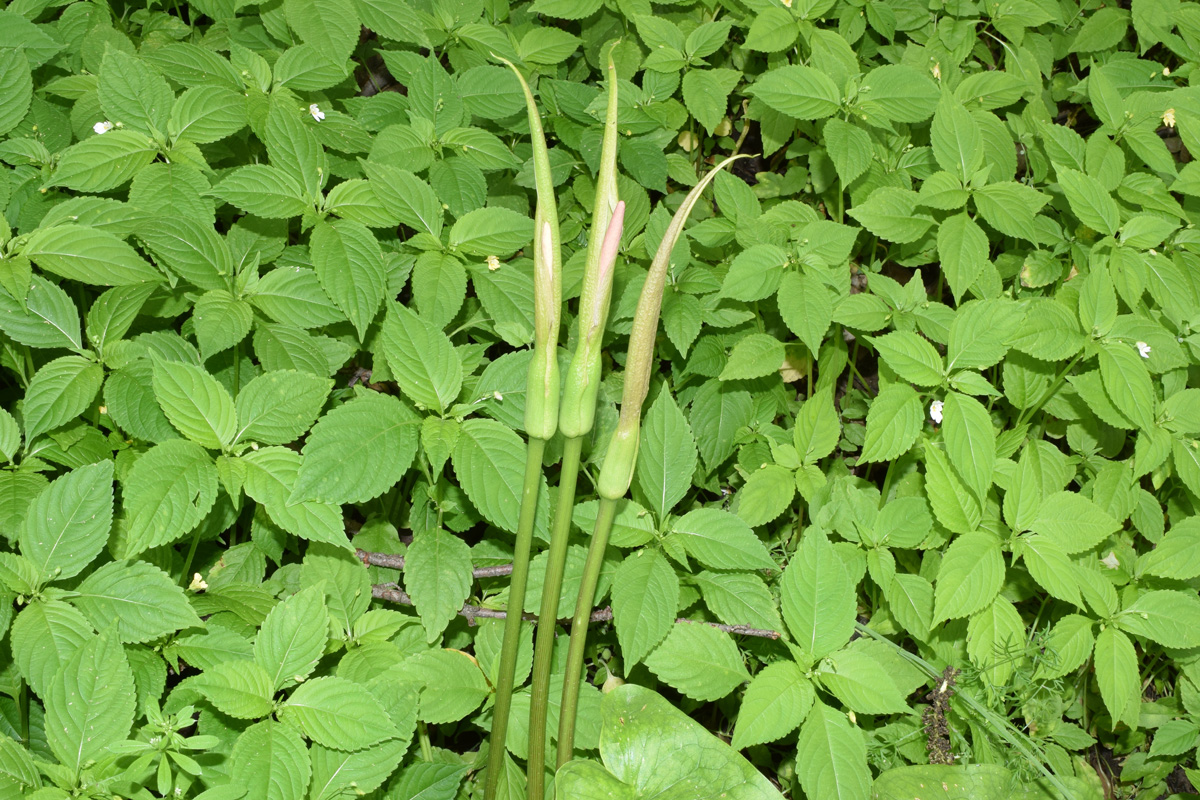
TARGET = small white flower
(1169,118)
(102,127)
(197,584)
(1166,72)
(493,263)
(1110,560)
(317,113)
(935,411)
(498,397)
(937,71)
(1143,349)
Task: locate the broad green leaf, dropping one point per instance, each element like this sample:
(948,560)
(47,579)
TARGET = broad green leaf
(698,660)
(893,423)
(134,93)
(1068,645)
(196,403)
(720,540)
(755,273)
(342,454)
(831,759)
(337,713)
(1127,383)
(720,411)
(60,391)
(898,94)
(970,442)
(241,689)
(271,474)
(963,248)
(974,781)
(492,231)
(68,523)
(953,503)
(861,682)
(912,358)
(645,598)
(738,598)
(270,760)
(754,356)
(1167,616)
(806,307)
(140,597)
(166,494)
(90,703)
(349,264)
(666,458)
(817,596)
(1177,554)
(776,702)
(294,297)
(277,407)
(1089,200)
(191,249)
(292,638)
(1117,675)
(1073,522)
(706,94)
(221,322)
(655,750)
(996,641)
(969,577)
(48,319)
(489,460)
(102,163)
(422,358)
(437,575)
(44,636)
(330,26)
(336,773)
(16,87)
(406,196)
(452,684)
(88,255)
(264,191)
(1051,568)
(850,148)
(767,493)
(1049,332)
(799,92)
(957,140)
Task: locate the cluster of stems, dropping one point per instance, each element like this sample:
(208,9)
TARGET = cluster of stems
(574,417)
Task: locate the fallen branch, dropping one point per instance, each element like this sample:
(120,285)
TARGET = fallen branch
(390,561)
(394,594)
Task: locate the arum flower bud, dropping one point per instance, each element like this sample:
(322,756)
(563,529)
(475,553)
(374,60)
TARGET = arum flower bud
(617,472)
(583,378)
(542,385)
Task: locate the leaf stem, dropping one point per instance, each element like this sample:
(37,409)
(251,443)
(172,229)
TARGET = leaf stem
(512,623)
(579,626)
(543,650)
(187,562)
(426,747)
(1050,392)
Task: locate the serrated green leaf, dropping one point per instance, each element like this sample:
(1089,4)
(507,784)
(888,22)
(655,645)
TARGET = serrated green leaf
(341,463)
(166,494)
(437,575)
(645,599)
(698,660)
(67,524)
(817,597)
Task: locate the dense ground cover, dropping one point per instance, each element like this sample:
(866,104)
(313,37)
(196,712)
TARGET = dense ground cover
(918,468)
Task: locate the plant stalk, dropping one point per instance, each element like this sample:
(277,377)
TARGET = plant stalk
(512,623)
(583,612)
(543,650)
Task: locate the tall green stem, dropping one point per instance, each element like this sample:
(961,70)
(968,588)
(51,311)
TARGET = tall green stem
(512,622)
(543,649)
(579,626)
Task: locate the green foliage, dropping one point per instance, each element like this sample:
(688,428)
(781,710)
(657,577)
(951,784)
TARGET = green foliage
(927,376)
